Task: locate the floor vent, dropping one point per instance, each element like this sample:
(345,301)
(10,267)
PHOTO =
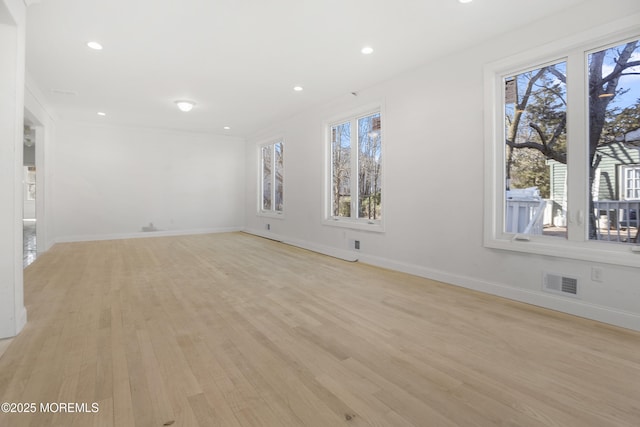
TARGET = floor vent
(559,284)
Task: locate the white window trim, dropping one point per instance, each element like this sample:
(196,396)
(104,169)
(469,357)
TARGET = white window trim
(270,213)
(623,180)
(574,49)
(353,223)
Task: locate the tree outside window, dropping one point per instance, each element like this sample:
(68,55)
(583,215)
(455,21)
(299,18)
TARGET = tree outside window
(535,111)
(356,168)
(272,177)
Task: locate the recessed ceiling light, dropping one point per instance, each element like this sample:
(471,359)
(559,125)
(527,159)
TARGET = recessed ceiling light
(226,128)
(465,1)
(100,113)
(298,88)
(185,106)
(367,50)
(95,45)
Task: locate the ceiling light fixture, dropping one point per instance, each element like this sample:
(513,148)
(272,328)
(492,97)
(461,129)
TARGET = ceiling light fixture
(227,128)
(102,114)
(185,106)
(95,45)
(298,88)
(465,1)
(367,50)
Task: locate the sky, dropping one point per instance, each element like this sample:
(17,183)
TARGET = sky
(631,82)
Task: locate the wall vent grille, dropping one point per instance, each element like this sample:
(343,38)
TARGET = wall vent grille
(570,285)
(559,284)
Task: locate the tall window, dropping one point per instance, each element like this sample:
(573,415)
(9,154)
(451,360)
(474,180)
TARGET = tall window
(356,169)
(563,145)
(272,177)
(614,120)
(535,134)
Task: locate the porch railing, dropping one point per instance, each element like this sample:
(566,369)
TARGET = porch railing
(524,216)
(617,220)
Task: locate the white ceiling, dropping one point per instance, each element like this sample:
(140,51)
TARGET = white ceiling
(239,59)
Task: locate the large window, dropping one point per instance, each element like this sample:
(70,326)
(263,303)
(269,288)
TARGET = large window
(355,190)
(272,177)
(563,148)
(535,113)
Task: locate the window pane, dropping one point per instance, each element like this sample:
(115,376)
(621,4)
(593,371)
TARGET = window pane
(614,119)
(266,177)
(341,169)
(536,151)
(279,176)
(631,182)
(369,167)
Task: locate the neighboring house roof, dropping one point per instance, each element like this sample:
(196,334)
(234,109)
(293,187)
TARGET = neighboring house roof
(631,138)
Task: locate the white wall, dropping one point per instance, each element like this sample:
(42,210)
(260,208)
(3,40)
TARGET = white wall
(433,171)
(13,315)
(111,181)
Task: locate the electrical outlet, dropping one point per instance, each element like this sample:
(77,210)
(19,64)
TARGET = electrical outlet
(597,274)
(356,244)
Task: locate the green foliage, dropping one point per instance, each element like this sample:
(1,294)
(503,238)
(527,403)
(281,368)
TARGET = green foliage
(529,169)
(344,206)
(619,121)
(370,206)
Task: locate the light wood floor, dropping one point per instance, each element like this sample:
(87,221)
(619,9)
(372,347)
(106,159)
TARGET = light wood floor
(234,330)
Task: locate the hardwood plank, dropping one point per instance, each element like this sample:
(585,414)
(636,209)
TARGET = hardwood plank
(235,330)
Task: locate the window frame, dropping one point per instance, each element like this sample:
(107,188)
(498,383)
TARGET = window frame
(273,213)
(623,181)
(575,51)
(352,116)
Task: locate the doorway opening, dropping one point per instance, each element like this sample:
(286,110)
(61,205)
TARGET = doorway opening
(29,219)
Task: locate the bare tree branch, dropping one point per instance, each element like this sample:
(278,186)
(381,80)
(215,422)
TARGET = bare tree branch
(550,154)
(522,105)
(622,63)
(558,75)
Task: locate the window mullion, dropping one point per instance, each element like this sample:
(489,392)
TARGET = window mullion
(354,170)
(577,148)
(273,178)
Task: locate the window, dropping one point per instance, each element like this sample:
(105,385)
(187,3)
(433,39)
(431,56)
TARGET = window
(562,141)
(630,182)
(355,190)
(535,112)
(30,182)
(272,178)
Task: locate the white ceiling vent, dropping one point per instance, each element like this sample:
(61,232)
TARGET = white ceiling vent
(560,284)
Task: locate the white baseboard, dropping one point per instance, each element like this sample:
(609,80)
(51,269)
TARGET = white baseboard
(21,320)
(538,298)
(12,329)
(144,234)
(342,254)
(266,234)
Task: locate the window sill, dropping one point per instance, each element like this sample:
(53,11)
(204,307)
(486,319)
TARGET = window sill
(599,252)
(275,215)
(376,227)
